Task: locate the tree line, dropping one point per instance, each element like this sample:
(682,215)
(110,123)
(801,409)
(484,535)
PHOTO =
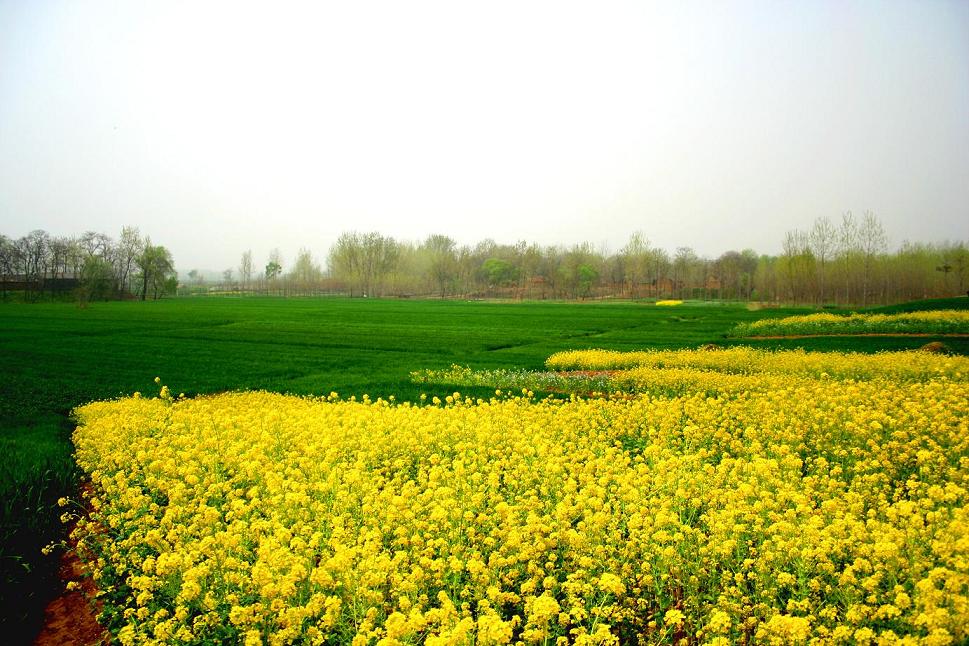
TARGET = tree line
(92,266)
(843,263)
(847,262)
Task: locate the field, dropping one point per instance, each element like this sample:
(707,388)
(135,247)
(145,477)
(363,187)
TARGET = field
(948,322)
(58,357)
(777,497)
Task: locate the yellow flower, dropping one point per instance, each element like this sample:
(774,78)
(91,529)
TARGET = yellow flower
(673,617)
(803,507)
(611,583)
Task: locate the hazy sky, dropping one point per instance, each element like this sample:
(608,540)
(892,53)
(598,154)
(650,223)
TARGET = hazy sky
(218,127)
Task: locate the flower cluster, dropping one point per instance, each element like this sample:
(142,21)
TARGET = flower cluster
(805,508)
(901,366)
(669,303)
(823,323)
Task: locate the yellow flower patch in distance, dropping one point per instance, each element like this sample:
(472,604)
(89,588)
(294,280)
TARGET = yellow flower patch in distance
(903,366)
(925,322)
(777,514)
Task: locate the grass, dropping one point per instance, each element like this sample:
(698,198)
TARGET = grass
(58,356)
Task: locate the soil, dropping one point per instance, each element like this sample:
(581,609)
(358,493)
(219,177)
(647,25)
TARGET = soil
(69,619)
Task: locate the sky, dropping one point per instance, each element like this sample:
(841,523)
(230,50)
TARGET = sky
(220,127)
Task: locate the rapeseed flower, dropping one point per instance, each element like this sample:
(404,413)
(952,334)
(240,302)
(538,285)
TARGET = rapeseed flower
(749,499)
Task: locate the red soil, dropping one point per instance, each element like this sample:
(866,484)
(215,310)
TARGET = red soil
(70,619)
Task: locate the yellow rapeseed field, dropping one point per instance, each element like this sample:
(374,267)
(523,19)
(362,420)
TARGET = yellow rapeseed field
(808,508)
(902,366)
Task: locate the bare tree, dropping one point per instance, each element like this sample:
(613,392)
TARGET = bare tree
(380,256)
(8,261)
(346,259)
(637,257)
(872,242)
(76,257)
(847,249)
(684,264)
(96,244)
(58,250)
(245,269)
(823,239)
(658,265)
(549,270)
(129,246)
(32,255)
(305,271)
(798,261)
(442,262)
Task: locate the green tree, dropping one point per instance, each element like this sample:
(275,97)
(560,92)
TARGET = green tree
(156,270)
(96,281)
(274,266)
(579,270)
(346,259)
(380,257)
(588,275)
(364,261)
(442,265)
(305,271)
(273,270)
(498,272)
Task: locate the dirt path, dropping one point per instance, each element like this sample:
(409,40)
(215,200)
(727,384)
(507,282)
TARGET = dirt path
(69,619)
